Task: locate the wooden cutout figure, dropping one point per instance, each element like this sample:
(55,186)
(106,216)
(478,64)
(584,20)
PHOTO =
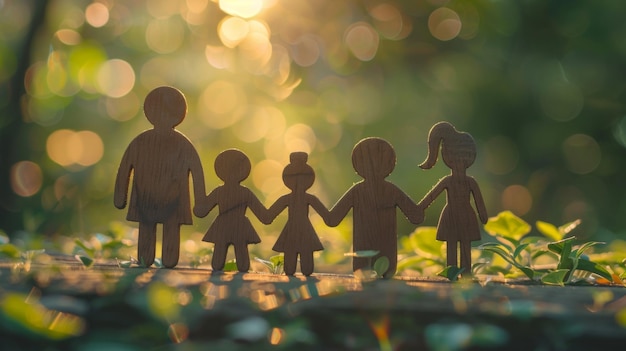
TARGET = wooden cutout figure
(160,161)
(298,237)
(231,226)
(457,223)
(374,201)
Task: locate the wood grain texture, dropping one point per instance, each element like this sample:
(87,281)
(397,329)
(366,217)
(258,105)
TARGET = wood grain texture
(160,161)
(298,237)
(458,225)
(373,202)
(232,226)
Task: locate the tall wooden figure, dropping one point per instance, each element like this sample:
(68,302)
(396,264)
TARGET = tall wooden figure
(298,237)
(160,160)
(232,227)
(457,223)
(374,201)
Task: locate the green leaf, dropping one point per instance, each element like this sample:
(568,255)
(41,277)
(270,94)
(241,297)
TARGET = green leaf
(584,247)
(81,244)
(555,277)
(589,266)
(501,251)
(363,253)
(549,230)
(568,227)
(86,261)
(158,263)
(565,262)
(278,260)
(381,265)
(10,251)
(519,249)
(451,272)
(507,225)
(424,240)
(557,246)
(231,266)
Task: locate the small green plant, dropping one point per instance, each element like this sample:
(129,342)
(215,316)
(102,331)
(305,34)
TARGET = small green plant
(275,264)
(521,251)
(373,271)
(422,252)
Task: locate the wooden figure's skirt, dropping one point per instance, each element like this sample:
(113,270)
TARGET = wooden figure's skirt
(302,240)
(458,228)
(223,231)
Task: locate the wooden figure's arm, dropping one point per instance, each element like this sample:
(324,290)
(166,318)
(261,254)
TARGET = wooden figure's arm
(341,208)
(199,187)
(433,193)
(258,209)
(478,201)
(276,208)
(413,212)
(205,204)
(122,181)
(319,207)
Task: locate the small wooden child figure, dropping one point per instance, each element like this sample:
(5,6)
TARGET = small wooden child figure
(298,237)
(374,201)
(161,160)
(232,227)
(457,223)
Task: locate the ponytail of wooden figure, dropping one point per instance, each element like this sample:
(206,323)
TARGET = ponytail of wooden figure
(298,237)
(160,161)
(373,202)
(232,227)
(457,223)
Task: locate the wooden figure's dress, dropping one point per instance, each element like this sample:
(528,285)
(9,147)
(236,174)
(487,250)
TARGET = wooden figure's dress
(457,223)
(160,161)
(298,237)
(374,201)
(232,227)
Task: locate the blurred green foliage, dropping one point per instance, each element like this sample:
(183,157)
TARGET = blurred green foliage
(539,84)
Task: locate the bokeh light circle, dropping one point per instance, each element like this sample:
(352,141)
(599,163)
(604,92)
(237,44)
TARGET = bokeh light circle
(582,153)
(116,78)
(444,24)
(26,178)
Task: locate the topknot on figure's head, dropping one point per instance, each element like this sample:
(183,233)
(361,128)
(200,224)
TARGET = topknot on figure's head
(298,157)
(165,107)
(373,158)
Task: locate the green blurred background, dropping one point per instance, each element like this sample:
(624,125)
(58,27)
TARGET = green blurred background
(539,84)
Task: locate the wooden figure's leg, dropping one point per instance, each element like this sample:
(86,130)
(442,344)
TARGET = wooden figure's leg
(452,253)
(291,260)
(219,256)
(146,243)
(360,263)
(466,257)
(306,263)
(243,257)
(171,244)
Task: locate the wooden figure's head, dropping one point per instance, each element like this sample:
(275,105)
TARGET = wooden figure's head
(298,175)
(232,166)
(458,149)
(373,158)
(165,107)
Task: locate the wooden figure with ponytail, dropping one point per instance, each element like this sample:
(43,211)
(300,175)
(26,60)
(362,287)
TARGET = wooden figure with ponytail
(457,223)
